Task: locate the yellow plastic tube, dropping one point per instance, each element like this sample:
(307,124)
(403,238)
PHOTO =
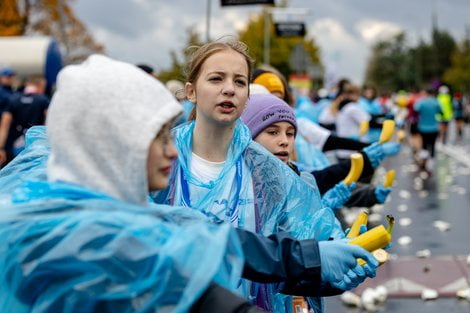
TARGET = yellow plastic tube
(357,164)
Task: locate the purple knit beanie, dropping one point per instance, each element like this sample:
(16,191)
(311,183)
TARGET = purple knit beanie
(263,110)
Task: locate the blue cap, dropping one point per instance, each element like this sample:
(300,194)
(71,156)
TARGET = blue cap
(7,71)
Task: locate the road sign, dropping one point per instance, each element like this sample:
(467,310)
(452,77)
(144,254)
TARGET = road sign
(243,2)
(290,29)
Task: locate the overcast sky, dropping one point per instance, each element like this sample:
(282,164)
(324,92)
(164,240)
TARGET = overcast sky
(147,30)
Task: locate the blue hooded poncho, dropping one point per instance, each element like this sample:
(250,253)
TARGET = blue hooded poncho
(281,200)
(82,236)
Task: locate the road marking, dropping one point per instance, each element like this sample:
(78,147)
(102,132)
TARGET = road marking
(454,152)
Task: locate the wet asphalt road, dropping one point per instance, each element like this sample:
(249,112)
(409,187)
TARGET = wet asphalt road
(417,203)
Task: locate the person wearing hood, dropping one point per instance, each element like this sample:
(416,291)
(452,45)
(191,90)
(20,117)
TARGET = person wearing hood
(221,172)
(113,245)
(85,238)
(273,124)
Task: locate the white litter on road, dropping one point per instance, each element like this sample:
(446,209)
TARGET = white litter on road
(443,196)
(464,294)
(375,218)
(423,194)
(441,225)
(382,293)
(405,221)
(404,240)
(424,175)
(368,299)
(405,194)
(429,294)
(425,253)
(378,208)
(402,208)
(351,299)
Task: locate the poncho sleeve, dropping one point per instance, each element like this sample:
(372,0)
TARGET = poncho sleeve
(96,256)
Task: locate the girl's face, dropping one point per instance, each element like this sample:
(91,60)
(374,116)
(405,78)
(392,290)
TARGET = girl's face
(278,138)
(161,154)
(221,89)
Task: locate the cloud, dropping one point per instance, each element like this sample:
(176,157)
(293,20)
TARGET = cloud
(340,48)
(146,30)
(374,30)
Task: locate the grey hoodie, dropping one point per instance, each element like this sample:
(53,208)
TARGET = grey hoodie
(100,124)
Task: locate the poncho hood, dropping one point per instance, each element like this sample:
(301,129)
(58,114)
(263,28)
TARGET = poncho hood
(101,122)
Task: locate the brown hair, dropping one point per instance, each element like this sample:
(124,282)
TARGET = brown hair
(200,54)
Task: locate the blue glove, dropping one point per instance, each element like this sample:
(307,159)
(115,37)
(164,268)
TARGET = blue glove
(381,193)
(355,277)
(337,258)
(391,148)
(337,196)
(362,229)
(377,152)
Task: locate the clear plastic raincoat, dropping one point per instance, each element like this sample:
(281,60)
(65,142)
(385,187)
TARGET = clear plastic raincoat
(86,239)
(68,249)
(282,201)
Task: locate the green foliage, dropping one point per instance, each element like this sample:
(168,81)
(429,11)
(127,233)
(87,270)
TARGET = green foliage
(394,65)
(253,36)
(458,75)
(280,47)
(388,68)
(176,70)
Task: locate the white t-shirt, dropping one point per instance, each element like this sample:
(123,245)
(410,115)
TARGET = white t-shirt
(348,122)
(313,133)
(326,117)
(205,170)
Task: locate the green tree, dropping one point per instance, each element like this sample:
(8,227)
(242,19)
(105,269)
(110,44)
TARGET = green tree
(443,46)
(176,70)
(280,47)
(458,75)
(393,65)
(421,57)
(389,64)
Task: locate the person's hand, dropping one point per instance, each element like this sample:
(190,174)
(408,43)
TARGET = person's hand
(3,156)
(338,258)
(377,152)
(337,196)
(355,277)
(381,193)
(390,148)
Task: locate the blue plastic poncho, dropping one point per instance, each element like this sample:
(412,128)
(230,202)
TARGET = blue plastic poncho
(307,109)
(282,201)
(65,248)
(30,164)
(308,156)
(87,239)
